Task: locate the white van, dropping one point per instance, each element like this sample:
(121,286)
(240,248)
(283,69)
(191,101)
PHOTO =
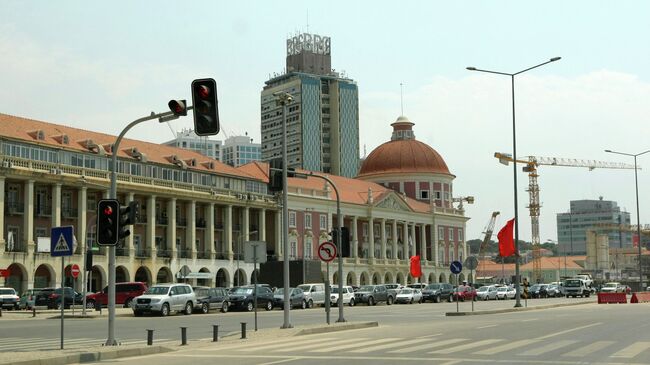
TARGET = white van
(576,287)
(314,294)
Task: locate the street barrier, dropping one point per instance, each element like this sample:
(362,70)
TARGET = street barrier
(183,336)
(605,298)
(215,333)
(640,297)
(149,337)
(243,330)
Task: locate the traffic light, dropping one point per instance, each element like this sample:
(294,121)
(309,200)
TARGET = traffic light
(345,237)
(129,215)
(178,107)
(206,110)
(275,176)
(108,215)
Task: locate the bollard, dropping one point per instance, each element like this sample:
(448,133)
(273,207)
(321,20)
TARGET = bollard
(243,330)
(0,311)
(33,311)
(149,337)
(183,336)
(215,333)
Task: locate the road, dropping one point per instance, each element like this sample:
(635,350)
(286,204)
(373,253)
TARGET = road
(585,334)
(40,333)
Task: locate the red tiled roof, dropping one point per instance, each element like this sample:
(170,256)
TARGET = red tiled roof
(26,129)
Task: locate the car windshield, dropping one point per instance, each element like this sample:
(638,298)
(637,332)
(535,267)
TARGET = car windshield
(482,289)
(335,290)
(535,287)
(503,288)
(243,291)
(610,285)
(406,291)
(7,292)
(572,283)
(201,292)
(366,288)
(280,291)
(433,286)
(304,288)
(157,290)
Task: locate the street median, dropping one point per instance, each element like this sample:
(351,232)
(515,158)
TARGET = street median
(79,356)
(519,309)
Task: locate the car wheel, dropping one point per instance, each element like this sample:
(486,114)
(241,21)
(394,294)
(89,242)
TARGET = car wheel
(164,311)
(411,301)
(371,301)
(451,298)
(205,308)
(188,308)
(351,302)
(310,304)
(303,304)
(249,306)
(389,301)
(224,307)
(90,304)
(127,303)
(436,299)
(462,299)
(137,313)
(269,305)
(58,306)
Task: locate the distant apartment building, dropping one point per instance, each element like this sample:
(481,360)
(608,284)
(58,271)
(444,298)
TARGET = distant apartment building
(591,214)
(240,150)
(323,119)
(188,140)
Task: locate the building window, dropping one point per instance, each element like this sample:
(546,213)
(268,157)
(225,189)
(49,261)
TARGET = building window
(451,234)
(292,219)
(441,233)
(438,195)
(377,230)
(323,222)
(364,228)
(294,250)
(308,220)
(451,253)
(460,235)
(91,203)
(308,247)
(424,194)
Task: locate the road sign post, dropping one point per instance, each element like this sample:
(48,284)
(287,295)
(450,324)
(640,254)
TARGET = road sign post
(254,252)
(327,253)
(61,245)
(471,263)
(456,267)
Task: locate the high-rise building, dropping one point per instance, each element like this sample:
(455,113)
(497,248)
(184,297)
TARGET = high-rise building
(240,150)
(322,120)
(188,140)
(584,215)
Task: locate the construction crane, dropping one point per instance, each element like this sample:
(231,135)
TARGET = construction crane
(530,166)
(486,240)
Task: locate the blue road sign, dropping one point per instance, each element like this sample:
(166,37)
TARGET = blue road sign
(456,267)
(62,241)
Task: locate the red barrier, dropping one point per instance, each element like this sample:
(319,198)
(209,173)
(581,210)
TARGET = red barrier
(640,297)
(604,298)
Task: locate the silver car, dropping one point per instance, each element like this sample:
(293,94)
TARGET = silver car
(164,298)
(487,292)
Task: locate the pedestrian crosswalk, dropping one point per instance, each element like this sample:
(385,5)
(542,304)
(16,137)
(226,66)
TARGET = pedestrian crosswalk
(36,343)
(438,345)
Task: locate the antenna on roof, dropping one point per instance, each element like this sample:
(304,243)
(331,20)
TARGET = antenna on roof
(307,20)
(401,97)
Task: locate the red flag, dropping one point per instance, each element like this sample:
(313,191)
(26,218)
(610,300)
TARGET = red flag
(416,270)
(506,243)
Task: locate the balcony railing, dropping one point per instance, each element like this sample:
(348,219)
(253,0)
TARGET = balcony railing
(185,254)
(218,225)
(181,222)
(14,208)
(69,213)
(163,221)
(163,253)
(200,223)
(203,255)
(43,210)
(121,251)
(143,253)
(221,255)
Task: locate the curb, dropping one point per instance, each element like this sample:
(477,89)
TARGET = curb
(95,356)
(337,327)
(509,310)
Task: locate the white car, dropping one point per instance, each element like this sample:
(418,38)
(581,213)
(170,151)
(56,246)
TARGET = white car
(409,295)
(9,299)
(348,295)
(612,287)
(487,292)
(165,298)
(506,292)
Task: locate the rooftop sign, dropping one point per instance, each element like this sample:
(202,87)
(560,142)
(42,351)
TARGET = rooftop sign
(309,43)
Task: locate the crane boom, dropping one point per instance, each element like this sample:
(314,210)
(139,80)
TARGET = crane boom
(486,240)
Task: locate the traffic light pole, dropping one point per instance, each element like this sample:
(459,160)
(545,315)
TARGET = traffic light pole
(111,249)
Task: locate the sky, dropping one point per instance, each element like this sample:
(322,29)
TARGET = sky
(100,65)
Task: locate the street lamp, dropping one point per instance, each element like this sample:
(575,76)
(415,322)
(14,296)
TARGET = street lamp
(638,220)
(514,165)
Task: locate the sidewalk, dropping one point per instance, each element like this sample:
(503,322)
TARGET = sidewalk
(100,353)
(56,313)
(520,309)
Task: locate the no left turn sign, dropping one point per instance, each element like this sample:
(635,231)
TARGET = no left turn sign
(327,251)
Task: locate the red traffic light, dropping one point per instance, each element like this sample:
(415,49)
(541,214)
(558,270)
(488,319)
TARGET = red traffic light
(204,91)
(178,107)
(108,210)
(206,111)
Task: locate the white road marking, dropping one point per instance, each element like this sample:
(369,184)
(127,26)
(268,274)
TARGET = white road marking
(507,347)
(328,344)
(427,346)
(468,346)
(488,326)
(632,350)
(548,348)
(588,349)
(357,344)
(569,330)
(280,361)
(530,320)
(390,345)
(275,346)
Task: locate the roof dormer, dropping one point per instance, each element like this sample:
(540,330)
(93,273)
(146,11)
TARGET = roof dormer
(62,138)
(208,165)
(37,134)
(176,161)
(91,146)
(191,162)
(135,153)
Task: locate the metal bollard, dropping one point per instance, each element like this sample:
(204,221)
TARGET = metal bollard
(149,337)
(215,333)
(183,336)
(243,330)
(33,311)
(0,311)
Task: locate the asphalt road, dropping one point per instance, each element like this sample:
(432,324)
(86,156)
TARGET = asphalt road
(40,333)
(585,334)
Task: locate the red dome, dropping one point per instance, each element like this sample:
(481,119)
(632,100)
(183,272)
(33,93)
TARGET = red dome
(403,154)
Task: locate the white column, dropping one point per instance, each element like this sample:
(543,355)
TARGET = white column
(246,226)
(414,240)
(423,242)
(209,230)
(2,214)
(262,225)
(56,205)
(278,234)
(405,241)
(383,238)
(227,226)
(28,217)
(394,235)
(151,225)
(371,239)
(171,227)
(129,240)
(190,227)
(434,238)
(355,237)
(81,218)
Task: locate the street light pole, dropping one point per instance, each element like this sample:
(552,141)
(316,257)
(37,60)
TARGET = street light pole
(514,165)
(638,219)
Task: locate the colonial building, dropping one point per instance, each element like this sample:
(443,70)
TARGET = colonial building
(196,213)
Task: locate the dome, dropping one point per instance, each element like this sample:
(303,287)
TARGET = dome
(403,154)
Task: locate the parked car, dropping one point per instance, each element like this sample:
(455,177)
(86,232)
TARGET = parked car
(28,298)
(242,297)
(612,287)
(506,292)
(9,299)
(373,294)
(393,288)
(464,292)
(296,298)
(55,297)
(538,291)
(348,295)
(165,298)
(409,295)
(314,294)
(417,285)
(553,290)
(487,292)
(438,292)
(124,294)
(208,299)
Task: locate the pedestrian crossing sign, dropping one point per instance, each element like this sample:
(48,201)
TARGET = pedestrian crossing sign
(62,241)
